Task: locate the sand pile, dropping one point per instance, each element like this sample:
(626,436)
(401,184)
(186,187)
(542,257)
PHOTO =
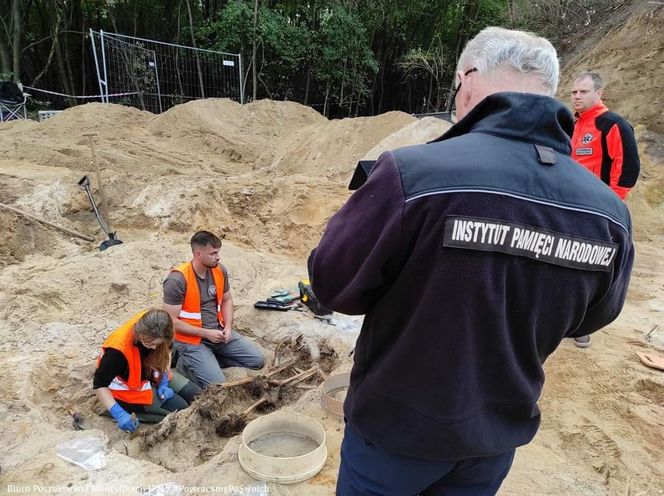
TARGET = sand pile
(250,172)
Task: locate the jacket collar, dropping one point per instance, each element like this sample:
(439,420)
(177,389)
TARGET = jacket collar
(597,109)
(536,119)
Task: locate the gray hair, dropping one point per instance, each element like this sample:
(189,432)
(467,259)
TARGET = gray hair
(596,78)
(498,48)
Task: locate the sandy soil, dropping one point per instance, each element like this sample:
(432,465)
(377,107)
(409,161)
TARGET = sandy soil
(267,176)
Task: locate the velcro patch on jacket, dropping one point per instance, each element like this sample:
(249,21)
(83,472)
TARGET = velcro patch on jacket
(583,151)
(477,233)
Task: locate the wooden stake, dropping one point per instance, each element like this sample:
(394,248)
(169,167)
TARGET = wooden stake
(44,221)
(103,203)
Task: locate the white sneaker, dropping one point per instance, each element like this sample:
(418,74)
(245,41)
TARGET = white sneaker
(582,341)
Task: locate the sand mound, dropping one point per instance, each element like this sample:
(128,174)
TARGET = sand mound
(95,118)
(249,172)
(420,131)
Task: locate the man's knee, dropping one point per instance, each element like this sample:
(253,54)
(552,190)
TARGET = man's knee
(208,376)
(256,361)
(202,372)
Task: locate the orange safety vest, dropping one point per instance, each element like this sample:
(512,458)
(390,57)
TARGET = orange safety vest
(191,306)
(134,390)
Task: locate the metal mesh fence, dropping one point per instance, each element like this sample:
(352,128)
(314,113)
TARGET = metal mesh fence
(155,76)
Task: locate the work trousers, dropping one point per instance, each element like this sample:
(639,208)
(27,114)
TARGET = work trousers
(202,363)
(368,470)
(185,392)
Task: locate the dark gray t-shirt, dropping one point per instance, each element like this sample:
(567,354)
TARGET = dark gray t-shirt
(175,286)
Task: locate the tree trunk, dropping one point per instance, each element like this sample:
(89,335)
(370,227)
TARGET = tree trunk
(16,39)
(343,82)
(374,84)
(193,43)
(81,63)
(177,56)
(327,94)
(62,72)
(306,90)
(69,55)
(5,64)
(382,82)
(430,92)
(55,33)
(253,67)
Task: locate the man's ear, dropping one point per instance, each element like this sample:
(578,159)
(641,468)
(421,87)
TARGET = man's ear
(466,90)
(600,92)
(457,79)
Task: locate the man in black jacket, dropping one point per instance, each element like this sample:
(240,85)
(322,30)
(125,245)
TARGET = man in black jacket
(471,257)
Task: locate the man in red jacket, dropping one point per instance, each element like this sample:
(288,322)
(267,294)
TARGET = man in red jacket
(603,142)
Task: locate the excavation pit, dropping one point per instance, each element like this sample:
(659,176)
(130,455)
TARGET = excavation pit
(222,411)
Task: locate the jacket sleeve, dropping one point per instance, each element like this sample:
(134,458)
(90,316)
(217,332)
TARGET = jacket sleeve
(607,309)
(358,255)
(112,364)
(623,151)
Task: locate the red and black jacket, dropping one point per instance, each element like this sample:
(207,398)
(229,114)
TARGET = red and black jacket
(604,143)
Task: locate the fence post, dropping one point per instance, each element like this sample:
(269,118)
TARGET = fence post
(156,73)
(239,77)
(94,53)
(103,59)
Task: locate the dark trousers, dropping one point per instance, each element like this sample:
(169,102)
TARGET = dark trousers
(185,392)
(367,470)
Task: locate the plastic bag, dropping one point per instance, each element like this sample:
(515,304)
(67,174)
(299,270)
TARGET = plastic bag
(165,489)
(85,452)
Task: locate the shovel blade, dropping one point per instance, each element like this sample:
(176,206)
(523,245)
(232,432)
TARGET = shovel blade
(108,243)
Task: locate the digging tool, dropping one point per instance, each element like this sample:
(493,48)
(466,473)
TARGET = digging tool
(100,186)
(84,182)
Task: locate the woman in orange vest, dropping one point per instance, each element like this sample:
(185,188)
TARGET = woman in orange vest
(133,372)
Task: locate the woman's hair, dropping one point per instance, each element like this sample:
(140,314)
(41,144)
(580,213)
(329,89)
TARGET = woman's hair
(156,324)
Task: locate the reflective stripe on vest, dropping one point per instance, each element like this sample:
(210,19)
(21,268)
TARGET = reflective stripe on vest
(134,390)
(117,384)
(191,306)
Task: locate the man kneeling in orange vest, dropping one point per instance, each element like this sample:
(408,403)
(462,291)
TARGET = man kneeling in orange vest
(133,373)
(197,295)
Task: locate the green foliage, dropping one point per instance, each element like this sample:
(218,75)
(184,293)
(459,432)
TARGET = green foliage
(231,32)
(344,56)
(343,38)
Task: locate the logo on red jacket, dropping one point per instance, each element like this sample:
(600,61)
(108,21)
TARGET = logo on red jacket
(587,138)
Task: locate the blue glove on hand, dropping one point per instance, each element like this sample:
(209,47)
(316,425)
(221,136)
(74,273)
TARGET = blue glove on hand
(164,392)
(124,420)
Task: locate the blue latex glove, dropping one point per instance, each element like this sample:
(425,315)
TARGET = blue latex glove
(124,420)
(164,392)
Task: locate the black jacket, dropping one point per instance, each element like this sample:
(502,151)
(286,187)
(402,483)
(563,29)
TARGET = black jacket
(472,257)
